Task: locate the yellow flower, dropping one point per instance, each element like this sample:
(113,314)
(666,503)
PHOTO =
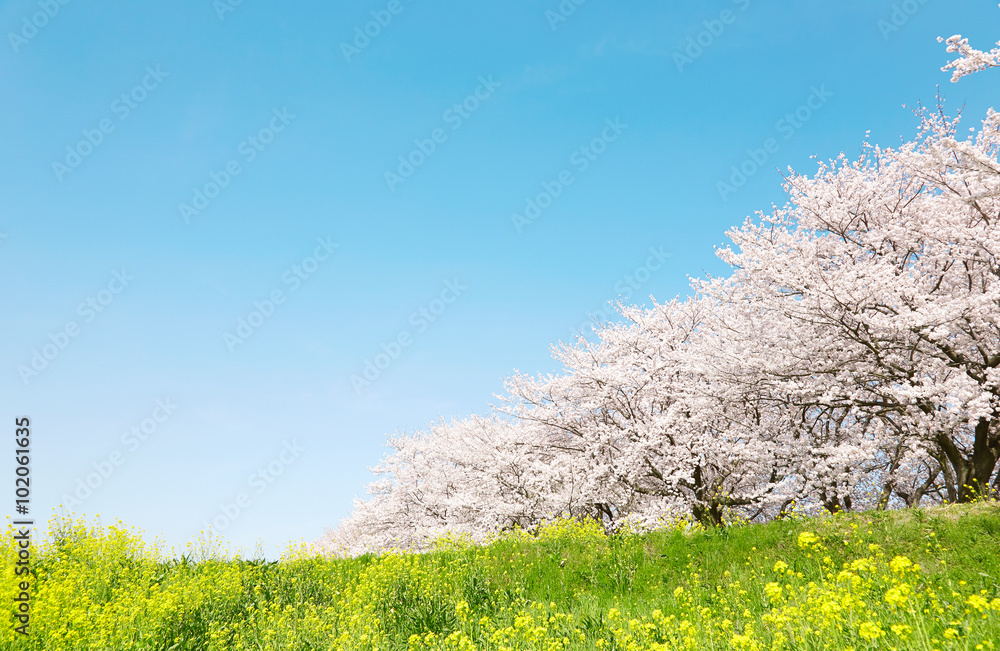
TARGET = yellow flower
(870,631)
(902,631)
(900,564)
(896,595)
(807,539)
(861,564)
(780,567)
(773,591)
(978,602)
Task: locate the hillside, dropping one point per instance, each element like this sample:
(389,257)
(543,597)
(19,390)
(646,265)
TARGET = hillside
(916,579)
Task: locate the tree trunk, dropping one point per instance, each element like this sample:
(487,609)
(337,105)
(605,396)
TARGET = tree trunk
(985,451)
(967,477)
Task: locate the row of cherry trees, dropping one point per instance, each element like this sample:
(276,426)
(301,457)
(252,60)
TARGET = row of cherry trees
(851,360)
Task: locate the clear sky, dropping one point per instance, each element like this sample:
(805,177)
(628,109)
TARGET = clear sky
(353,180)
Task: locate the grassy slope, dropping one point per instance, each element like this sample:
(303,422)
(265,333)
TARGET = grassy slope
(954,543)
(570,588)
(955,546)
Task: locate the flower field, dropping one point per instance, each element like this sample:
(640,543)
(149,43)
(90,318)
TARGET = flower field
(910,579)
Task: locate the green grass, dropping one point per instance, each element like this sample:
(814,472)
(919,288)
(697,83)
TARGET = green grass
(569,587)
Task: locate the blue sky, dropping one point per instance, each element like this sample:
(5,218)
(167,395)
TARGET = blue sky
(611,118)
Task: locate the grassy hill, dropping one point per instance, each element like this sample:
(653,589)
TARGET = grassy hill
(915,579)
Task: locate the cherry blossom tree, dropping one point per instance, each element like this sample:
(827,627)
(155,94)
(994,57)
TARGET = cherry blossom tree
(474,476)
(887,270)
(851,360)
(636,415)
